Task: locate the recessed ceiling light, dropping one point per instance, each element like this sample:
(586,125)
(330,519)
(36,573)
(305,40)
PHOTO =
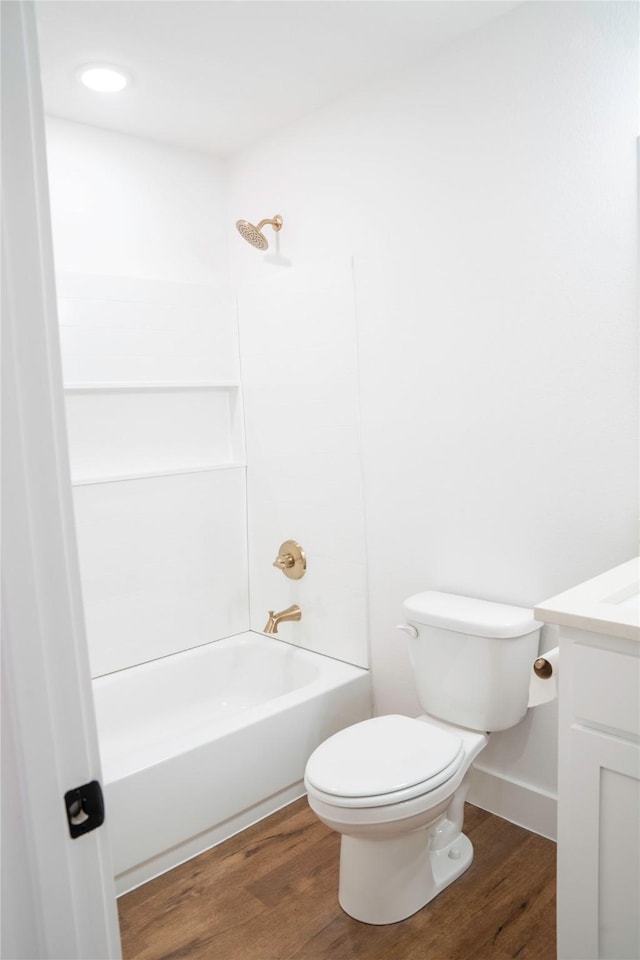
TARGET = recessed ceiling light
(103,78)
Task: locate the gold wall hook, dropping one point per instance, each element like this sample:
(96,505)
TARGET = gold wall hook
(291,560)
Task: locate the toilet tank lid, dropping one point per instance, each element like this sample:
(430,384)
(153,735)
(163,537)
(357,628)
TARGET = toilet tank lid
(480,618)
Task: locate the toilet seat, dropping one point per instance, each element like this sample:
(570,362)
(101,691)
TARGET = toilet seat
(383,761)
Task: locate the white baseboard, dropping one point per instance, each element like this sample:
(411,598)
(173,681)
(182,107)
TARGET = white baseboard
(520,803)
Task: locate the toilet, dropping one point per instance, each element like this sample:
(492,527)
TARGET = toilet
(394,787)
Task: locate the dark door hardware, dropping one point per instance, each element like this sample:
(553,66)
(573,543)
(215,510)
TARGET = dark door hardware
(85,808)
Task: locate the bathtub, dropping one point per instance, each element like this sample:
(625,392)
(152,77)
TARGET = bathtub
(199,745)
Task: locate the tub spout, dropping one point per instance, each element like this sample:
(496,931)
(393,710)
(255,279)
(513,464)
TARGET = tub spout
(291,613)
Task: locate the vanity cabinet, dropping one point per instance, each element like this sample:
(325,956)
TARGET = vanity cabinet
(598,798)
(599,769)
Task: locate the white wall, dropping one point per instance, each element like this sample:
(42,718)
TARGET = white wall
(151,366)
(489,200)
(128,207)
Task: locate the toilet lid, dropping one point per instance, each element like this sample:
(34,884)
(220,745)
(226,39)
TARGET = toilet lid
(382,756)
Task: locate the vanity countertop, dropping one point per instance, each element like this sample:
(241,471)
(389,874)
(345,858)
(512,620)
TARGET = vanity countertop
(609,603)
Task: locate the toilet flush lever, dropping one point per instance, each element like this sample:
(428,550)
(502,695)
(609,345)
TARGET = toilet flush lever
(408,629)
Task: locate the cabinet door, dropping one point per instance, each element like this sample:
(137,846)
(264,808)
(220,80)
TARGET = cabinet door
(598,828)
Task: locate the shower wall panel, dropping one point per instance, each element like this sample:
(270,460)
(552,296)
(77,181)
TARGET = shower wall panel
(157,464)
(130,329)
(299,370)
(151,367)
(163,563)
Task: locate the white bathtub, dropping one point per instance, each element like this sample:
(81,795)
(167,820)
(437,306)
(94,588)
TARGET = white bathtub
(201,744)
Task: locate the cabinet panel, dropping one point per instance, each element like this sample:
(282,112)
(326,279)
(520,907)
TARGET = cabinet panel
(598,874)
(606,688)
(619,874)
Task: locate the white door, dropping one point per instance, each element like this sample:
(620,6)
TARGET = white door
(58,894)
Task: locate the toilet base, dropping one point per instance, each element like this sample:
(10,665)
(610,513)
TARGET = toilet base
(387,880)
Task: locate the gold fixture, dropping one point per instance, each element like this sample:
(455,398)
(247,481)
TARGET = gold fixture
(254,235)
(291,560)
(291,613)
(542,668)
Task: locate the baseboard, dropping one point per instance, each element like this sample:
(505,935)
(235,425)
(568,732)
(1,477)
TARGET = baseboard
(517,802)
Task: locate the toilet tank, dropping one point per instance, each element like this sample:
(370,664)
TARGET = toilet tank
(471,659)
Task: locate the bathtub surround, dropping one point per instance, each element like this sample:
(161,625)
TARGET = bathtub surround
(152,366)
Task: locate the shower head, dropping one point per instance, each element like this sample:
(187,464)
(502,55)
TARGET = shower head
(254,235)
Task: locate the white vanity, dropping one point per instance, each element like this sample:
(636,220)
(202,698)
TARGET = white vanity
(599,766)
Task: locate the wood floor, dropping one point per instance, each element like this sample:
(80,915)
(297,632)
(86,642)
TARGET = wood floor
(270,893)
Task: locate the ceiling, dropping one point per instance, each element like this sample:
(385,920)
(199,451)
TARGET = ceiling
(216,75)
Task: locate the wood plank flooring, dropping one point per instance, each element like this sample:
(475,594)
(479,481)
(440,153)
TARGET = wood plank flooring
(270,893)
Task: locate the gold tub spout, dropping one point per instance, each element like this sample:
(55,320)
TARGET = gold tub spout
(291,613)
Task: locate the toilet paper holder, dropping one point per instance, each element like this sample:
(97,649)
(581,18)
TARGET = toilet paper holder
(542,668)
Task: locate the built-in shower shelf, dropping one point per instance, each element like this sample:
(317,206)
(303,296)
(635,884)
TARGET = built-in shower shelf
(81,481)
(134,430)
(124,386)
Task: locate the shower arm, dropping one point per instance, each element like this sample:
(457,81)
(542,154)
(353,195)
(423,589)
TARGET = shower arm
(276,223)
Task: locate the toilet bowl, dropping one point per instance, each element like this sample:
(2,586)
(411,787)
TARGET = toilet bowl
(394,787)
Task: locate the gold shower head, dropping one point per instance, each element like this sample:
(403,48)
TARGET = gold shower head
(254,235)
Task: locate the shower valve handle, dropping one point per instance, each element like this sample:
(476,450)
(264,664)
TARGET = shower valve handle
(291,560)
